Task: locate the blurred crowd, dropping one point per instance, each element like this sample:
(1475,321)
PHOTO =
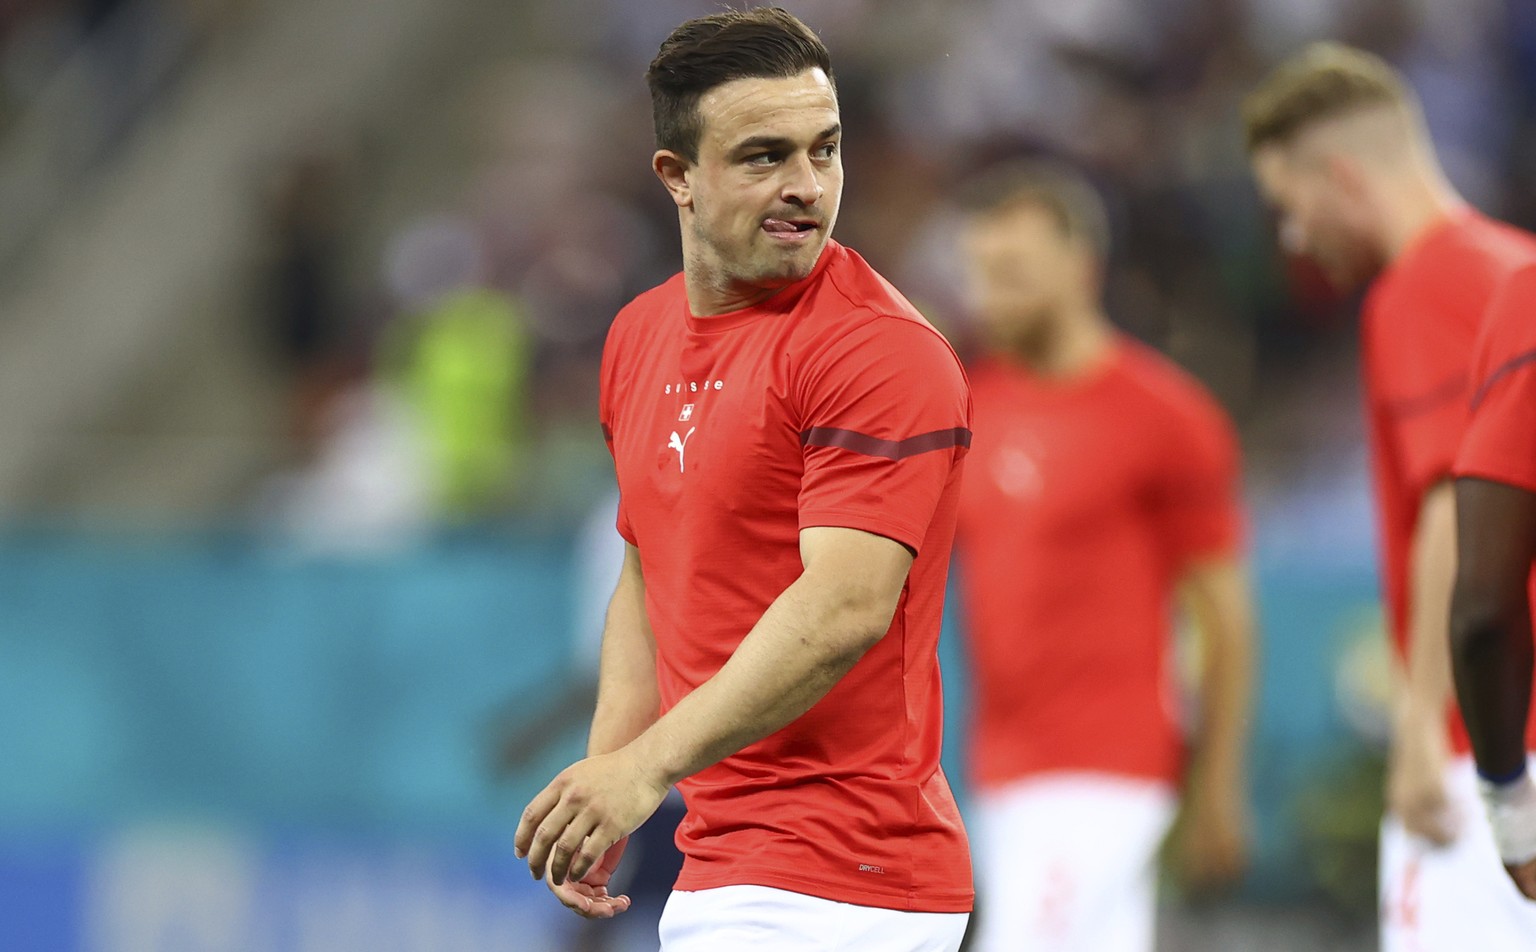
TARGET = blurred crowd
(442,365)
(558,221)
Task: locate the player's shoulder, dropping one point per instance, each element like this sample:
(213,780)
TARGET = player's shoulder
(1508,319)
(665,297)
(857,306)
(1165,388)
(1501,244)
(1466,258)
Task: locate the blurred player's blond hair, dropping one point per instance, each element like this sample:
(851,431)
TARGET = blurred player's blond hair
(1324,81)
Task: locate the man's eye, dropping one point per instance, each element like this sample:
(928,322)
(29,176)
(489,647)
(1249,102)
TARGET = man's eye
(762,158)
(827,151)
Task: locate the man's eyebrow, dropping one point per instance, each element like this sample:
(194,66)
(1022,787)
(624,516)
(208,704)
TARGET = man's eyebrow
(782,143)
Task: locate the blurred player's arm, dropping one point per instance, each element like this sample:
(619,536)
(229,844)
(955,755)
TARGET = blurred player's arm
(1214,827)
(628,698)
(1490,634)
(807,640)
(1416,769)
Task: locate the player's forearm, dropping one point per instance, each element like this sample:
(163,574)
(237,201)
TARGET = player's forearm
(628,697)
(1224,616)
(806,641)
(1427,685)
(1492,655)
(1490,622)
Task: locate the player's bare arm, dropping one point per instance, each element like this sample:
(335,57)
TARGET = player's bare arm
(1416,765)
(1214,828)
(812,634)
(627,703)
(1492,654)
(627,697)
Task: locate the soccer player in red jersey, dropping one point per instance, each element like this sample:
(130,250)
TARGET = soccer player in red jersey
(787,433)
(1495,554)
(1339,147)
(1103,484)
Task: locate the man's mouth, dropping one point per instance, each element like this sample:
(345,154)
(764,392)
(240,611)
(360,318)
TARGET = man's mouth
(790,229)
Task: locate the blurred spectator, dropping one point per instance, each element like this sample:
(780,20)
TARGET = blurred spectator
(460,357)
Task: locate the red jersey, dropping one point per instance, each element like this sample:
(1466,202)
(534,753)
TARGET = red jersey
(833,403)
(1085,500)
(1420,321)
(1500,439)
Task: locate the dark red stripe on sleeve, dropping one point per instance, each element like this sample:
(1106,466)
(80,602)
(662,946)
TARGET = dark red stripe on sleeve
(857,442)
(1508,367)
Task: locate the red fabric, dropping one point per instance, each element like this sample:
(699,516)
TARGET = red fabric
(832,404)
(1500,442)
(1085,501)
(1420,322)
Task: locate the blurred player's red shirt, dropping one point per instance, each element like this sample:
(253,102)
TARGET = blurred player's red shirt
(1083,501)
(831,404)
(1500,440)
(1420,321)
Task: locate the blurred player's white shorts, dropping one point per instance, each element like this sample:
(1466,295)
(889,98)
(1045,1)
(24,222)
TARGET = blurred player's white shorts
(1066,862)
(1454,898)
(760,919)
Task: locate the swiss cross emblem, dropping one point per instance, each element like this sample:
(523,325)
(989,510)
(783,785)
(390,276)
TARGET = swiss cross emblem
(687,413)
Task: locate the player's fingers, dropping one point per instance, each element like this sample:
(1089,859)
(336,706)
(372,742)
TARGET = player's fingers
(544,838)
(1432,821)
(533,815)
(596,845)
(569,847)
(589,902)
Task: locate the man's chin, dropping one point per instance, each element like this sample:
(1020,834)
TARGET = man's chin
(795,264)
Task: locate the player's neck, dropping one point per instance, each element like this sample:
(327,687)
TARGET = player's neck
(1415,206)
(1068,346)
(707,299)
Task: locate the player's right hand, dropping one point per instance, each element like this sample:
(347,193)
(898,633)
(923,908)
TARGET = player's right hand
(1416,792)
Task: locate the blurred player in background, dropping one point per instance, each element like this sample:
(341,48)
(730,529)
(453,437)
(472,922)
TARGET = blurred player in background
(1103,484)
(788,435)
(1340,149)
(1495,553)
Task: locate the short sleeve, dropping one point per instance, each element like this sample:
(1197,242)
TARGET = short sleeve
(1500,439)
(1421,382)
(1199,494)
(885,417)
(605,413)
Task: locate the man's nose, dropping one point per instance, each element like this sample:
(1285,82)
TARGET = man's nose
(802,185)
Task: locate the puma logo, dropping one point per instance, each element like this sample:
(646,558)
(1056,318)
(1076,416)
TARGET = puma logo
(680,443)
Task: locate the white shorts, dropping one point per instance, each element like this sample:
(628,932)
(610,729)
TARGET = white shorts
(1458,897)
(761,919)
(1066,862)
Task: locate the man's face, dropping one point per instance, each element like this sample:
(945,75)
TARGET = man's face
(765,189)
(1022,270)
(1320,217)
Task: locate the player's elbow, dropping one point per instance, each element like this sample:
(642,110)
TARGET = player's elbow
(860,617)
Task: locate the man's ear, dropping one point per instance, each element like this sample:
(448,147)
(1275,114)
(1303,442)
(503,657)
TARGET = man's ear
(673,171)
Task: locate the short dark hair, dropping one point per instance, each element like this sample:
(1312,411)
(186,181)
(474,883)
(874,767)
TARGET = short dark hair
(1323,81)
(767,42)
(1059,189)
